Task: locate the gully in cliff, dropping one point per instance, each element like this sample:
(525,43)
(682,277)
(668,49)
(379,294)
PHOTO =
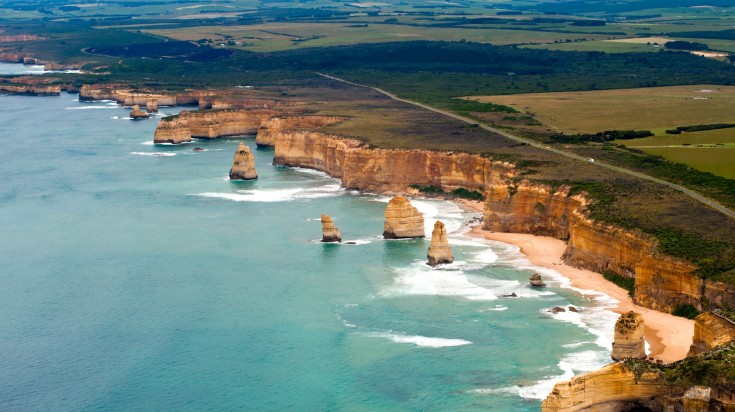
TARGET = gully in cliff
(402,220)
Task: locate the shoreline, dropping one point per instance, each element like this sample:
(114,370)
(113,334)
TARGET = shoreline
(669,336)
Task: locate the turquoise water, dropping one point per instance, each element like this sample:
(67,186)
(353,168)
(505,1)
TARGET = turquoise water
(137,276)
(15,68)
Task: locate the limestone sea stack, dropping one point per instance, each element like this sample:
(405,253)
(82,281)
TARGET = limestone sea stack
(151,105)
(138,114)
(629,341)
(243,167)
(402,220)
(439,250)
(329,232)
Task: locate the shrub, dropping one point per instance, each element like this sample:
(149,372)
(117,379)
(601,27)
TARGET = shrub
(685,311)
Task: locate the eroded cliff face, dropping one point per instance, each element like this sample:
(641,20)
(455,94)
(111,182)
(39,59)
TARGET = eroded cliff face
(661,282)
(126,97)
(612,388)
(270,128)
(386,170)
(209,124)
(30,89)
(711,331)
(616,388)
(173,130)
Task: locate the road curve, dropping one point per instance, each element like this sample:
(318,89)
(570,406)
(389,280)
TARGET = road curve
(707,201)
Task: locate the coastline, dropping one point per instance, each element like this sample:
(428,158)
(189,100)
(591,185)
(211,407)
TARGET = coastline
(669,336)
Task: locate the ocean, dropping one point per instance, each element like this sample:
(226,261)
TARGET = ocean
(138,277)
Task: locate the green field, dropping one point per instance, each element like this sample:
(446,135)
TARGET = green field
(711,151)
(625,109)
(284,36)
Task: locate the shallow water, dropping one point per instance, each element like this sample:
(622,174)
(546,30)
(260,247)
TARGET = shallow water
(138,276)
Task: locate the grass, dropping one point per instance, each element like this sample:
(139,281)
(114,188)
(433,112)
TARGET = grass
(641,108)
(719,160)
(285,36)
(710,151)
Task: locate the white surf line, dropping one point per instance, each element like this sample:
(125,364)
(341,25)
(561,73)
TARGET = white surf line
(707,201)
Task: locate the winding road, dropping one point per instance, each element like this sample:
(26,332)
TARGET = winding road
(707,201)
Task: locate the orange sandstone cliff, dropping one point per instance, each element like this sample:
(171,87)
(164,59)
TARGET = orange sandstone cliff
(612,388)
(386,170)
(701,382)
(209,124)
(126,97)
(270,128)
(31,90)
(661,282)
(710,332)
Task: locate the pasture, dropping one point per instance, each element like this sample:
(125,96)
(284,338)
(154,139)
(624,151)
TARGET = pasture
(653,108)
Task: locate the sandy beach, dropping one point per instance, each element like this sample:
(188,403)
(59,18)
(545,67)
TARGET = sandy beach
(669,336)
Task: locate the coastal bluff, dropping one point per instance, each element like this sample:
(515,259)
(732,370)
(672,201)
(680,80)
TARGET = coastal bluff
(661,282)
(389,171)
(511,205)
(209,124)
(700,382)
(271,127)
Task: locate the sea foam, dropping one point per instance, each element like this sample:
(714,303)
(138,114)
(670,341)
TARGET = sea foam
(421,341)
(421,279)
(277,195)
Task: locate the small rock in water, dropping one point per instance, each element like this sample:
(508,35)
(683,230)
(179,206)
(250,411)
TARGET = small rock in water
(573,309)
(557,309)
(198,149)
(350,243)
(511,295)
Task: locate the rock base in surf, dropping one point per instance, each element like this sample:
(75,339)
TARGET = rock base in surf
(243,167)
(329,232)
(439,251)
(402,220)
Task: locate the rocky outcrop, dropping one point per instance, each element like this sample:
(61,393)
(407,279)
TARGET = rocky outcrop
(151,105)
(126,97)
(629,342)
(31,90)
(329,232)
(243,167)
(711,331)
(612,388)
(172,129)
(11,57)
(439,251)
(270,128)
(136,113)
(212,124)
(386,170)
(402,220)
